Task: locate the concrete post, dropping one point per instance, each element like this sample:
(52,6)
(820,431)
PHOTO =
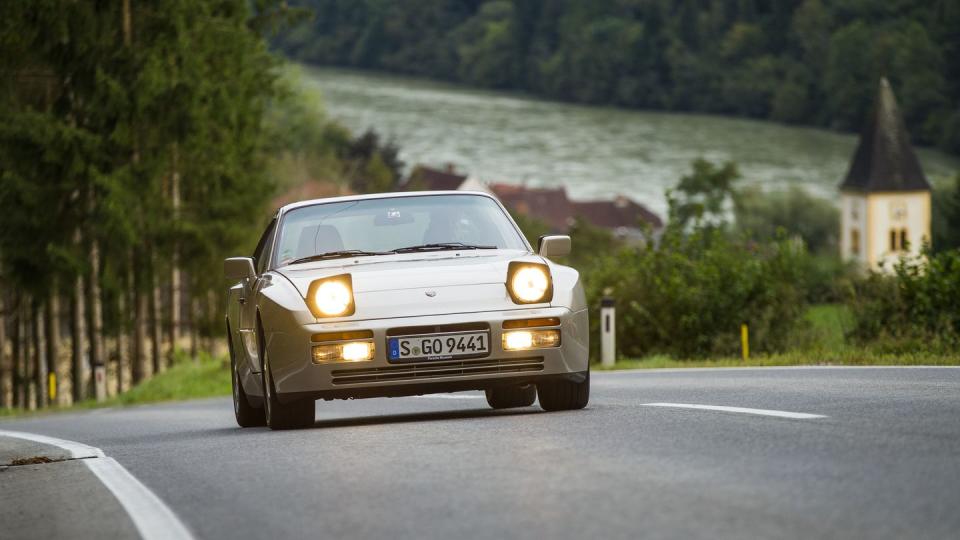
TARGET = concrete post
(608,331)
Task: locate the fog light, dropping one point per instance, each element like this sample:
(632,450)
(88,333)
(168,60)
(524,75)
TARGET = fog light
(353,351)
(530,339)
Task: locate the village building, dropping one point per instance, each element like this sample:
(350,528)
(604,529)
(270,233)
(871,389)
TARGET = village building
(885,197)
(622,216)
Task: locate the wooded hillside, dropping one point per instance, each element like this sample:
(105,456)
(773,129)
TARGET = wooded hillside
(798,61)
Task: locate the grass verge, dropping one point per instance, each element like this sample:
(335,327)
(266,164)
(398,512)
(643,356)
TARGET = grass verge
(847,356)
(185,379)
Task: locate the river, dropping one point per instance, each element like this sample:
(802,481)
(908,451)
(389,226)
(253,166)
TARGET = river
(595,152)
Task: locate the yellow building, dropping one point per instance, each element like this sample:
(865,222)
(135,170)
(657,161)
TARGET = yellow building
(885,198)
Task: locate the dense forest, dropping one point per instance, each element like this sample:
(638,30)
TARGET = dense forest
(140,144)
(797,61)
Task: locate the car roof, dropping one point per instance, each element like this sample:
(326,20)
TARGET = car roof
(346,198)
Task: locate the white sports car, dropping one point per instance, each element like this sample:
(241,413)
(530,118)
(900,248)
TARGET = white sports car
(402,294)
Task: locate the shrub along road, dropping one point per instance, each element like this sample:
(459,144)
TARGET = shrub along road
(872,453)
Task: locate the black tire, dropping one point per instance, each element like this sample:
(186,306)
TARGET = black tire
(563,395)
(247,415)
(294,415)
(506,397)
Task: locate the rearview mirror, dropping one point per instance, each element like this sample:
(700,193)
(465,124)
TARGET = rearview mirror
(554,246)
(238,268)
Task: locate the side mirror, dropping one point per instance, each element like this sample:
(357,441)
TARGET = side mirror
(237,268)
(554,246)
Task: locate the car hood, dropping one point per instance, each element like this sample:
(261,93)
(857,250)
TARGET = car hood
(411,271)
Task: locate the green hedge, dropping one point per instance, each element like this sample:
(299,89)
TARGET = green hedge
(916,308)
(688,295)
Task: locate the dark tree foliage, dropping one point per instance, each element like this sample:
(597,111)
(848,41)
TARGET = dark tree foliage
(799,61)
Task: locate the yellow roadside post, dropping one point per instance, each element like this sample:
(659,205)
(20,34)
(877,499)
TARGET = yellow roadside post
(744,341)
(52,386)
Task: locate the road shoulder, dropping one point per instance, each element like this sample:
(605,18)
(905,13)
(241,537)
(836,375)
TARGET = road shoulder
(59,498)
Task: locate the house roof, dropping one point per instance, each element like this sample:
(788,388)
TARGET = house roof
(549,205)
(885,160)
(424,178)
(620,212)
(552,206)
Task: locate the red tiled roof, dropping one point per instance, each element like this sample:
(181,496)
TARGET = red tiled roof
(552,206)
(549,205)
(620,212)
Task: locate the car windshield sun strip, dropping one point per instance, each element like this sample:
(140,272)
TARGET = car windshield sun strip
(439,247)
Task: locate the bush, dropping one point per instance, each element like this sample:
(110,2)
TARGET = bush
(913,309)
(688,296)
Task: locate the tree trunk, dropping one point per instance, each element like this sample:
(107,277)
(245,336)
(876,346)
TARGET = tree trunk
(155,322)
(39,356)
(52,330)
(123,341)
(77,333)
(95,317)
(206,315)
(6,364)
(194,326)
(29,365)
(139,328)
(173,330)
(19,370)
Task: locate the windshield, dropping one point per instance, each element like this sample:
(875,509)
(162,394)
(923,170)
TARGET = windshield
(383,225)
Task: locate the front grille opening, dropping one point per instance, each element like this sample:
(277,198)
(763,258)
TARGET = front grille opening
(435,370)
(437,329)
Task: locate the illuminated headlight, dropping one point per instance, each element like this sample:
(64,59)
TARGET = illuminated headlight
(331,297)
(519,340)
(529,283)
(351,351)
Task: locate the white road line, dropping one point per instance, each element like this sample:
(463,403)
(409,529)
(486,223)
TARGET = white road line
(153,519)
(453,396)
(639,371)
(762,412)
(77,450)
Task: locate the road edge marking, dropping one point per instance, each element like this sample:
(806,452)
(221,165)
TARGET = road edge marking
(744,410)
(452,396)
(77,450)
(634,371)
(153,519)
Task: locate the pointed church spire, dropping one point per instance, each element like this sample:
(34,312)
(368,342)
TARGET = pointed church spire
(884,160)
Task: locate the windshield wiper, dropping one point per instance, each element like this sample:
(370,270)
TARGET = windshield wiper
(439,247)
(339,255)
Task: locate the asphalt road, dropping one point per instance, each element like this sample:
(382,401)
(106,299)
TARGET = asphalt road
(883,462)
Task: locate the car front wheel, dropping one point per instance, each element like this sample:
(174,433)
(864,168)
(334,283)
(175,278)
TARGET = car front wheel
(564,395)
(294,415)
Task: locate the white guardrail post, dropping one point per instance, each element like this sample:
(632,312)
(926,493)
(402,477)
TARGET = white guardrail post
(608,332)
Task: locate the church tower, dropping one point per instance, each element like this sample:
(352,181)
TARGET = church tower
(885,198)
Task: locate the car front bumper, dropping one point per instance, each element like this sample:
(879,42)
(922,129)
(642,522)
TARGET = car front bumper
(296,376)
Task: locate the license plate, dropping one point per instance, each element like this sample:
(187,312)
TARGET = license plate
(438,346)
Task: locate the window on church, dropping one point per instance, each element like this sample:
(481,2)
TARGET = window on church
(899,240)
(854,241)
